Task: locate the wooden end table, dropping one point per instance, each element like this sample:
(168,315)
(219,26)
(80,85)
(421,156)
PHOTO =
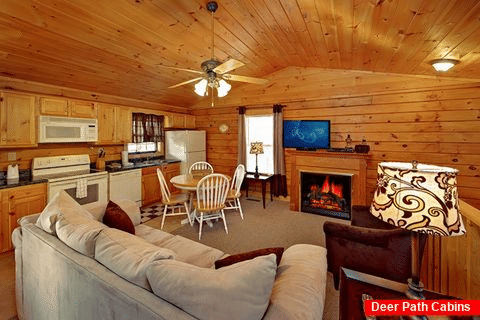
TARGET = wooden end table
(353,284)
(263,178)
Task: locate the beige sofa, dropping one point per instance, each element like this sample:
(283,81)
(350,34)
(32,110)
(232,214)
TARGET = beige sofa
(72,269)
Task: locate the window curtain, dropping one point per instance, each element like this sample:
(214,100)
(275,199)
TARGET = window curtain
(242,139)
(147,128)
(279,180)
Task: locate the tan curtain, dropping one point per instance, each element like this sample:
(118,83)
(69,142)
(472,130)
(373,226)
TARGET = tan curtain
(279,182)
(242,138)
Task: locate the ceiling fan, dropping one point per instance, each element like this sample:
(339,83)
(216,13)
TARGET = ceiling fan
(214,73)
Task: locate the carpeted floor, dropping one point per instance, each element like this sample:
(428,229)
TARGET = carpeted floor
(274,226)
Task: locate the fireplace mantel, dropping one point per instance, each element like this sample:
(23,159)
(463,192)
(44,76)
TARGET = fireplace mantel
(329,163)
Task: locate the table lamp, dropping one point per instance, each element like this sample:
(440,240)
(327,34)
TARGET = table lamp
(256,148)
(420,198)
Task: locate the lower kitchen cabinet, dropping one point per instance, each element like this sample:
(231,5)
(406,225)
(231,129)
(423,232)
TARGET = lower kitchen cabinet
(151,187)
(16,203)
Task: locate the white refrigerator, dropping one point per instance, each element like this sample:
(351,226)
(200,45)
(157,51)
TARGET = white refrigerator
(188,146)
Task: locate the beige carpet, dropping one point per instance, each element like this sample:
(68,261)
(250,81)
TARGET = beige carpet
(274,226)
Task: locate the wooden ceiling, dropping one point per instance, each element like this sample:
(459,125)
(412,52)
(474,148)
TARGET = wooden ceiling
(118,47)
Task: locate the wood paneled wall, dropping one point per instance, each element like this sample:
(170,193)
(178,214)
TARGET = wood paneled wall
(403,118)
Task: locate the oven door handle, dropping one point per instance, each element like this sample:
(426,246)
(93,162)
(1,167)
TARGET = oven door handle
(90,180)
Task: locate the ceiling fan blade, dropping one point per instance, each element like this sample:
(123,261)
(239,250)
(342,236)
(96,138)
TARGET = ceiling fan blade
(181,69)
(244,79)
(228,66)
(185,82)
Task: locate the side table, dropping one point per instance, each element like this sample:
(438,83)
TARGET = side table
(353,284)
(263,178)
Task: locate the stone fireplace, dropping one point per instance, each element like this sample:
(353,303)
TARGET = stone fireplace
(326,194)
(346,169)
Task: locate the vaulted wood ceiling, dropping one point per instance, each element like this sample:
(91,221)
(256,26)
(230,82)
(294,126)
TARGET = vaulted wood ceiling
(118,47)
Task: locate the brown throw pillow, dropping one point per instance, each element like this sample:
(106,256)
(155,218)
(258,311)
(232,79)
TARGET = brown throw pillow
(249,255)
(115,217)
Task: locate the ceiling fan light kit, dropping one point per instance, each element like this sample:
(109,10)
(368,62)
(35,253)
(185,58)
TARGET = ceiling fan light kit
(214,73)
(443,64)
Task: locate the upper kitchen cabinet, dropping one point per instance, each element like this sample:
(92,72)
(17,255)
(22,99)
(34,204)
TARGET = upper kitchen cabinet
(180,121)
(17,118)
(54,106)
(114,124)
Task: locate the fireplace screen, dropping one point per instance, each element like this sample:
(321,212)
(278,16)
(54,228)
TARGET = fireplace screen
(326,194)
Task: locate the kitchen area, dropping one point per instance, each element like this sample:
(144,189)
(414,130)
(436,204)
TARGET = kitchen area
(105,152)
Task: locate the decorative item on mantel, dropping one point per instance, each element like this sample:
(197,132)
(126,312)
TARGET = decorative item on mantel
(420,198)
(363,147)
(348,145)
(256,148)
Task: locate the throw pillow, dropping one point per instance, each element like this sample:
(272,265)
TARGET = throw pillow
(61,203)
(127,255)
(240,291)
(235,258)
(115,217)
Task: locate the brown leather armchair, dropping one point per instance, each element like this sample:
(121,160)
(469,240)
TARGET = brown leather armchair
(371,246)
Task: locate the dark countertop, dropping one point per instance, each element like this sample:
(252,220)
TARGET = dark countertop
(139,164)
(25,179)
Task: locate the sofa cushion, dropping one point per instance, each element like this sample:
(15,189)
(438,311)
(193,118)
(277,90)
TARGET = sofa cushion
(79,232)
(152,235)
(299,289)
(128,255)
(192,252)
(115,217)
(60,203)
(240,291)
(235,258)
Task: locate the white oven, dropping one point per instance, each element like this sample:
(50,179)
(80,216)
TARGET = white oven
(72,174)
(95,188)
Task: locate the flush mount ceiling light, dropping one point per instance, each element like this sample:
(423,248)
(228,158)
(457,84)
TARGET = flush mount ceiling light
(443,64)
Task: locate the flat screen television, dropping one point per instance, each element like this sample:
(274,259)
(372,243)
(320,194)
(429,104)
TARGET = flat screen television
(306,134)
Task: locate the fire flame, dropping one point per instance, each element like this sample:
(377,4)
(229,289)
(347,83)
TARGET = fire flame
(336,189)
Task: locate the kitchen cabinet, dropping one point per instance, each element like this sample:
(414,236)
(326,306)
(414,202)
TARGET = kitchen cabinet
(55,106)
(180,121)
(16,203)
(189,122)
(150,185)
(17,118)
(114,124)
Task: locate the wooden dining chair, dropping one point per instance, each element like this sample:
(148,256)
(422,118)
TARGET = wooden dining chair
(234,194)
(210,202)
(201,167)
(177,203)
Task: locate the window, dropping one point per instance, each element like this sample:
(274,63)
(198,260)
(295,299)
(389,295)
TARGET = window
(260,128)
(142,147)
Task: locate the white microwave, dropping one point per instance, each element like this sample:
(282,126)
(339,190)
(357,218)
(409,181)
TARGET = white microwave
(64,129)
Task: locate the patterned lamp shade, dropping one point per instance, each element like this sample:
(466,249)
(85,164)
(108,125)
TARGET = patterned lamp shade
(256,147)
(418,197)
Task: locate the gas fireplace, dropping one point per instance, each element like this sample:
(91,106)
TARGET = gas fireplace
(326,194)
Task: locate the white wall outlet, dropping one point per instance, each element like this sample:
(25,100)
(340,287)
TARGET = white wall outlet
(12,156)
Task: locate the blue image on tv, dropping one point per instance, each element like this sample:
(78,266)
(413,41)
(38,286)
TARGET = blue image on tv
(306,134)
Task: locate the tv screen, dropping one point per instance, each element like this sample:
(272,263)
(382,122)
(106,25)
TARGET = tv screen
(306,134)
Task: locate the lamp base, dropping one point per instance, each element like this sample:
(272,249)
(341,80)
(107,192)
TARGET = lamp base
(415,290)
